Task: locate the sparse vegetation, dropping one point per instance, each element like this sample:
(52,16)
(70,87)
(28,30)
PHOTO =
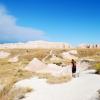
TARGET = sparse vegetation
(58,80)
(53,79)
(10,73)
(97,67)
(16,94)
(88,52)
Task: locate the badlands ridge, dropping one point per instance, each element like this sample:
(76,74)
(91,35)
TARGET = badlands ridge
(45,45)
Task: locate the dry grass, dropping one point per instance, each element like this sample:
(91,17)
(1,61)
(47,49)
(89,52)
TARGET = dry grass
(10,73)
(54,79)
(59,80)
(87,52)
(9,81)
(18,93)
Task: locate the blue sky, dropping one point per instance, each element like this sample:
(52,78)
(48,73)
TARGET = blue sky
(71,21)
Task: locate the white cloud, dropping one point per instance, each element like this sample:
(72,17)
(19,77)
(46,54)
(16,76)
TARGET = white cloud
(8,25)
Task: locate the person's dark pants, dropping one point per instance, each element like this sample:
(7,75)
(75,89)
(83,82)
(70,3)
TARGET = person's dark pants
(73,71)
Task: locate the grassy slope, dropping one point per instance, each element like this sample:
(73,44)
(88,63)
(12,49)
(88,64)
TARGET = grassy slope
(10,73)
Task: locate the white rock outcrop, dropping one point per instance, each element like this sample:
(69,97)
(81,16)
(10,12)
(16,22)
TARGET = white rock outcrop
(87,60)
(72,54)
(14,59)
(96,96)
(55,70)
(4,54)
(55,59)
(35,65)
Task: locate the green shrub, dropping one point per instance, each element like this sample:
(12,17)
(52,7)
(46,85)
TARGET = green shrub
(97,67)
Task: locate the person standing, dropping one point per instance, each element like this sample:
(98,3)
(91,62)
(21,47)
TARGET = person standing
(73,67)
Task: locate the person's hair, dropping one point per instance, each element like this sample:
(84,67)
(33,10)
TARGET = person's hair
(73,60)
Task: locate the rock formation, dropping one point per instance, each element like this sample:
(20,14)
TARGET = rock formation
(37,44)
(35,65)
